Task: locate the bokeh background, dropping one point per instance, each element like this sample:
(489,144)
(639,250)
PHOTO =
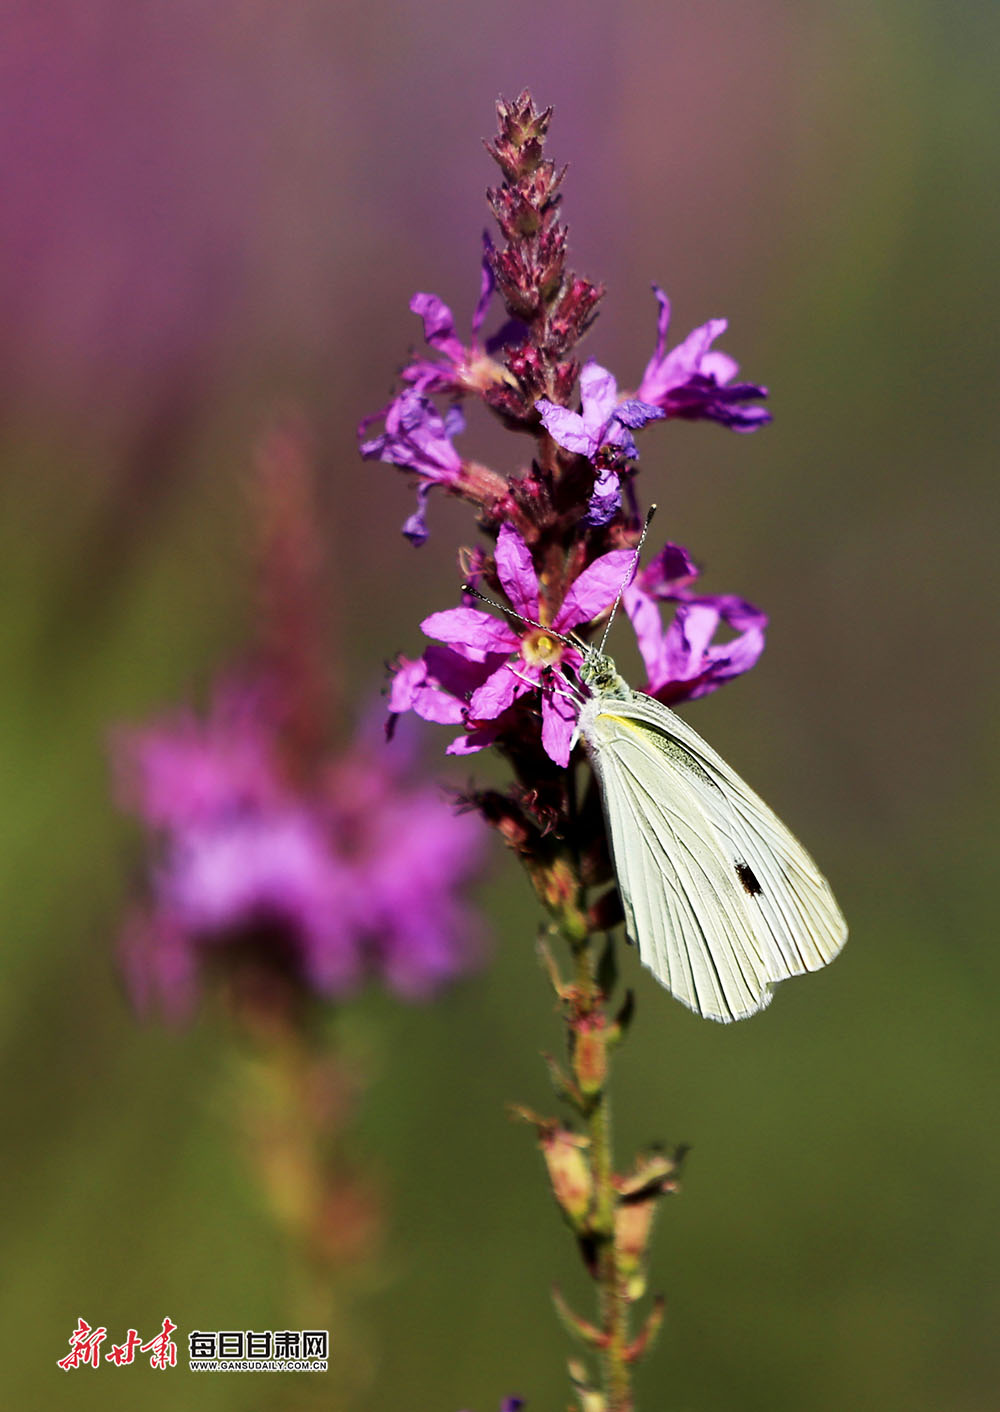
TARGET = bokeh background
(211,208)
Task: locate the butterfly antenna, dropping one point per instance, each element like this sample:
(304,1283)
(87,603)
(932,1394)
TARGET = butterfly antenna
(629,576)
(511,613)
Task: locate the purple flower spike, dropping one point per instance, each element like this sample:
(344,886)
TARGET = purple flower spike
(487,663)
(682,662)
(418,438)
(693,380)
(355,876)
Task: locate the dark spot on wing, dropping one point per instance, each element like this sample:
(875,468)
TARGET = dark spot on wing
(748,878)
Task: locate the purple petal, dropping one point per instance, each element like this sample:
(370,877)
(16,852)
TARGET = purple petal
(702,399)
(511,331)
(367,422)
(414,688)
(693,665)
(732,659)
(672,568)
(427,377)
(720,366)
(683,662)
(439,325)
(686,359)
(736,612)
(467,745)
(487,284)
(415,526)
(604,421)
(662,325)
(517,573)
(417,438)
(743,419)
(480,738)
(500,691)
(723,660)
(595,589)
(635,414)
(454,421)
(644,615)
(407,680)
(456,673)
(598,393)
(474,633)
(558,725)
(664,370)
(567,429)
(431,704)
(695,623)
(692,381)
(605,498)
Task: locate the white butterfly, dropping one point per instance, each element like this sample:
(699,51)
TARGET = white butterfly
(720,898)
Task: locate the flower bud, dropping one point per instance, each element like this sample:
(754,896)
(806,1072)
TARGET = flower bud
(569,1172)
(590,1054)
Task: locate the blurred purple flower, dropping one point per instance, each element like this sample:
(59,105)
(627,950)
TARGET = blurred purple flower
(681,661)
(355,877)
(604,422)
(474,677)
(417,438)
(693,380)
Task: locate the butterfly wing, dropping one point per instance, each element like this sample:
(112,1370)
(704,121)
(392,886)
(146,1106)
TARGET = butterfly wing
(719,896)
(803,926)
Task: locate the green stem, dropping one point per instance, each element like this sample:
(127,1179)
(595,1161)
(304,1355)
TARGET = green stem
(615,1372)
(614,1312)
(612,1304)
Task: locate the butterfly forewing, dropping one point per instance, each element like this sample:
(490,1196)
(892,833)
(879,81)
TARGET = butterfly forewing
(720,898)
(803,921)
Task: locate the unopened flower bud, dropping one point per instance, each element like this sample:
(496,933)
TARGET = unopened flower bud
(590,1054)
(569,1172)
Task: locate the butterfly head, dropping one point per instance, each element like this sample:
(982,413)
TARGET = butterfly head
(601,677)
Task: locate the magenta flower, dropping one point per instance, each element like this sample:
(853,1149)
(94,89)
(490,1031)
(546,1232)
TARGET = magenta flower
(682,662)
(693,380)
(491,662)
(438,685)
(460,367)
(357,876)
(417,438)
(604,418)
(604,423)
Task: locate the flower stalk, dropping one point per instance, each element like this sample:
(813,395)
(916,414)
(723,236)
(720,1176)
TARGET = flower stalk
(610,1215)
(560,551)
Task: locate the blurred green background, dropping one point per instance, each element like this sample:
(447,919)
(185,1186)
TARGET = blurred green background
(209,209)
